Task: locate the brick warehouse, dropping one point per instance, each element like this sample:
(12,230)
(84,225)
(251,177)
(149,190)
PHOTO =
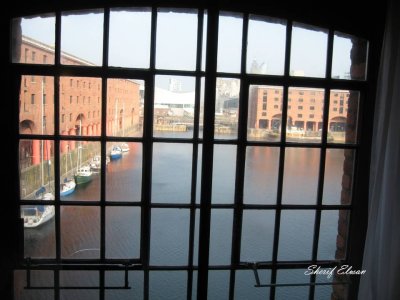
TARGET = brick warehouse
(305,108)
(80,103)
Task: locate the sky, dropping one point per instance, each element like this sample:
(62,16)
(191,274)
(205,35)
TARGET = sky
(82,36)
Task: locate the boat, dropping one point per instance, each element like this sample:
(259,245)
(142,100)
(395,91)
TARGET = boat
(116,153)
(83,173)
(37,214)
(95,163)
(68,186)
(124,147)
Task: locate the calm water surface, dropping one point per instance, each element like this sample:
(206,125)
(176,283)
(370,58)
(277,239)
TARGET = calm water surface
(172,164)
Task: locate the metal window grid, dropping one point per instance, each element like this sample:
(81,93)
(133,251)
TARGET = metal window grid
(208,142)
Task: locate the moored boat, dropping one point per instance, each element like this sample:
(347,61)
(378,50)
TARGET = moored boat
(116,153)
(83,175)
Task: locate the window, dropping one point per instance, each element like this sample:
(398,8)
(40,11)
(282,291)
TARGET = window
(33,79)
(44,59)
(33,56)
(26,53)
(209,181)
(44,99)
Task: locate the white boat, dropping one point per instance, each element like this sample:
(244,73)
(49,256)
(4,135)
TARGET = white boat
(116,153)
(36,215)
(124,147)
(68,186)
(95,163)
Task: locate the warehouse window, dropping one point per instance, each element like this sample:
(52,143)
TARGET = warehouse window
(172,192)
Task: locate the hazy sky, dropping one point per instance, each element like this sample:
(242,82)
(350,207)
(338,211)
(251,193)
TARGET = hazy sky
(82,36)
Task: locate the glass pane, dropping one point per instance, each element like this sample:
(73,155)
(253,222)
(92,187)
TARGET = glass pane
(265,113)
(257,235)
(227,108)
(176,39)
(292,245)
(172,173)
(230,29)
(36,105)
(80,232)
(218,285)
(201,114)
(117,279)
(266,42)
(338,181)
(327,292)
(79,294)
(204,43)
(221,236)
(261,175)
(168,285)
(39,231)
(38,279)
(296,292)
(124,172)
(127,28)
(343,116)
(324,293)
(122,232)
(174,106)
(80,106)
(308,53)
(194,286)
(80,171)
(79,279)
(349,59)
(245,281)
(305,115)
(124,97)
(300,180)
(196,238)
(82,38)
(33,39)
(224,169)
(36,169)
(199,166)
(333,234)
(169,237)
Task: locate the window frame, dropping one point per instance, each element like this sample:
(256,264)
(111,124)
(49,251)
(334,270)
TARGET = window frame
(208,142)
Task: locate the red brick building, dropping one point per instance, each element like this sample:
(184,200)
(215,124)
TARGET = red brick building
(80,103)
(305,108)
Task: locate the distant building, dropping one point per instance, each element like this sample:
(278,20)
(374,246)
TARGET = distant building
(79,102)
(305,108)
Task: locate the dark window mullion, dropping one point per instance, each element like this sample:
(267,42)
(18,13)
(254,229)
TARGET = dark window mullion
(240,162)
(106,23)
(57,54)
(200,16)
(208,151)
(147,158)
(321,176)
(281,161)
